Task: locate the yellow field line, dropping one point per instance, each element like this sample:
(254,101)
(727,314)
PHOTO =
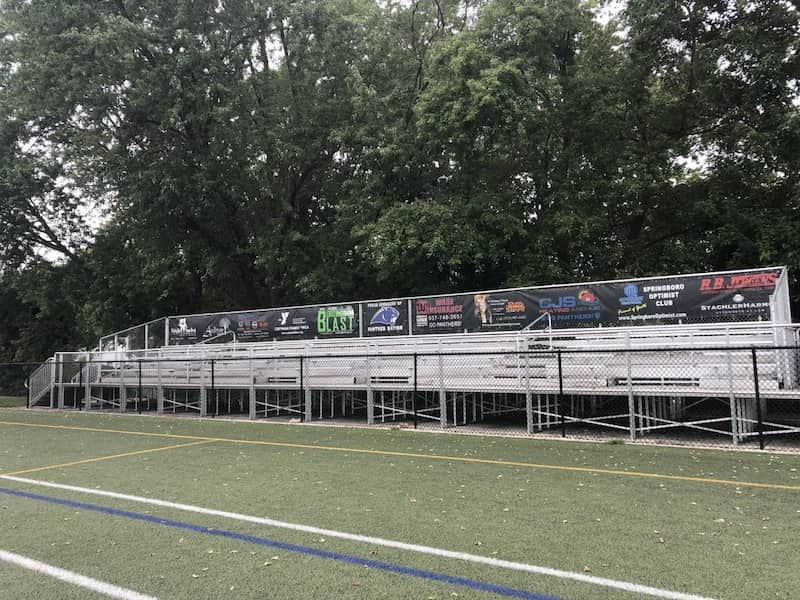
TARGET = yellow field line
(484,461)
(112,456)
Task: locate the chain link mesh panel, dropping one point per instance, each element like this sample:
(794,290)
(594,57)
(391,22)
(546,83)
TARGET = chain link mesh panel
(705,396)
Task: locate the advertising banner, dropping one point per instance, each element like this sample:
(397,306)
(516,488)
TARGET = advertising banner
(673,300)
(385,317)
(693,299)
(259,326)
(690,299)
(506,311)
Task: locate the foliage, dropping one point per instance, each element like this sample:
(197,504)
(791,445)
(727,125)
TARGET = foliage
(162,157)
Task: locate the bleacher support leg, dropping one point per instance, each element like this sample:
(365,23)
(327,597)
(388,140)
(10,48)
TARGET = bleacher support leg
(61,382)
(631,399)
(87,386)
(529,410)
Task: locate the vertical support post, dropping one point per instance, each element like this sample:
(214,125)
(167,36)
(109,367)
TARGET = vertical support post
(414,397)
(631,400)
(160,390)
(203,390)
(214,390)
(251,386)
(442,392)
(87,383)
(759,415)
(561,396)
(61,382)
(735,433)
(123,390)
(27,392)
(528,395)
(139,393)
(370,394)
(53,380)
(80,385)
(307,391)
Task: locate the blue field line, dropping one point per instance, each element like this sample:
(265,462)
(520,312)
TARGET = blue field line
(260,541)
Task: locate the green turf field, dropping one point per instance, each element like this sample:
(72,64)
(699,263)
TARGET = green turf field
(11,401)
(712,524)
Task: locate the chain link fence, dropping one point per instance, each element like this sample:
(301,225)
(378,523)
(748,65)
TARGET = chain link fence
(748,396)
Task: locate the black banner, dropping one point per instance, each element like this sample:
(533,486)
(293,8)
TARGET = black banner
(386,317)
(674,300)
(258,326)
(679,300)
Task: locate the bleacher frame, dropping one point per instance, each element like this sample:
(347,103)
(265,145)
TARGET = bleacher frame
(636,381)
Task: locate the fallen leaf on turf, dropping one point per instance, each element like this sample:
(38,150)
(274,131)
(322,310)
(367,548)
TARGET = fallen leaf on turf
(587,569)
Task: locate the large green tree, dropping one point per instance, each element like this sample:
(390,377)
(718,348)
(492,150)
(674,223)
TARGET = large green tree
(179,156)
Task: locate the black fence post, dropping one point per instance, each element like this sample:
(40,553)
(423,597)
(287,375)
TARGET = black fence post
(214,390)
(139,397)
(414,396)
(302,393)
(561,396)
(27,392)
(759,416)
(80,385)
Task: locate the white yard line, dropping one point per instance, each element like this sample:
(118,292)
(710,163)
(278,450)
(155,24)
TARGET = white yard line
(376,541)
(101,587)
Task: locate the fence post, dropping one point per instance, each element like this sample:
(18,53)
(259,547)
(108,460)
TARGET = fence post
(123,389)
(27,392)
(631,399)
(214,390)
(251,386)
(87,389)
(80,385)
(370,392)
(160,389)
(759,416)
(414,395)
(307,391)
(305,415)
(53,380)
(561,396)
(61,381)
(528,395)
(139,392)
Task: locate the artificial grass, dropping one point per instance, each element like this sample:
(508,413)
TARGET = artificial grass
(716,540)
(12,401)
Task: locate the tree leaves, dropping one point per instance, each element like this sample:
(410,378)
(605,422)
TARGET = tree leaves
(255,154)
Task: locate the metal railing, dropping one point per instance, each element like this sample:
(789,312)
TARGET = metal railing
(640,393)
(40,382)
